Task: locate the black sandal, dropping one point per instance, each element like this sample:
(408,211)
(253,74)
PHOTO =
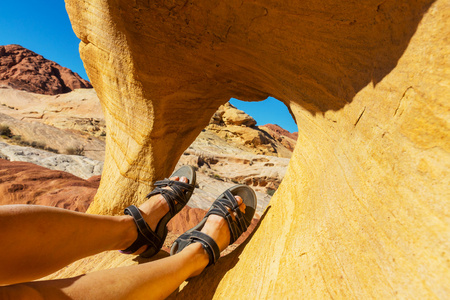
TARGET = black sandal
(219,207)
(180,192)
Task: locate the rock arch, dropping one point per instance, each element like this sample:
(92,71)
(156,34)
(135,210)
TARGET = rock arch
(362,210)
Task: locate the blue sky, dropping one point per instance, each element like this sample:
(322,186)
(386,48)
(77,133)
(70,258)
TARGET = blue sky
(44,27)
(270,111)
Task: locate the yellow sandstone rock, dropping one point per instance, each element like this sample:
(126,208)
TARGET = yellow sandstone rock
(363,211)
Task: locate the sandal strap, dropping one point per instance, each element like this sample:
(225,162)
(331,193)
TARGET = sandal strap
(219,207)
(146,236)
(205,240)
(177,193)
(208,244)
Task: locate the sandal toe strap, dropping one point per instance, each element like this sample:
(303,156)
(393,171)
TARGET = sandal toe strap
(177,193)
(236,226)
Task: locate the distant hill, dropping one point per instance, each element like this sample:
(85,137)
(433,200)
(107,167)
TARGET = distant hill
(281,131)
(25,70)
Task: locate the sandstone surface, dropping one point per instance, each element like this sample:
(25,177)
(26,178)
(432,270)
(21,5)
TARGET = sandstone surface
(234,116)
(363,209)
(23,69)
(62,140)
(286,138)
(77,165)
(78,110)
(239,130)
(27,183)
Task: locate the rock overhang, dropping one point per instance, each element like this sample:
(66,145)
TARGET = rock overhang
(351,215)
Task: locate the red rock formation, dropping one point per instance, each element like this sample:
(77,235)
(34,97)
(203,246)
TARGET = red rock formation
(238,128)
(25,70)
(281,135)
(26,183)
(280,131)
(187,218)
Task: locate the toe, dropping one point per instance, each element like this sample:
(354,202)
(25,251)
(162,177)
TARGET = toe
(241,207)
(177,178)
(240,203)
(184,179)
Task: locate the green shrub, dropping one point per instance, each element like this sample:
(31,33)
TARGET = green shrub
(75,150)
(24,143)
(217,177)
(5,131)
(41,145)
(50,149)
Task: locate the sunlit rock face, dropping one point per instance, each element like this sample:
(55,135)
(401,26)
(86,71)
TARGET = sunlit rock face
(363,209)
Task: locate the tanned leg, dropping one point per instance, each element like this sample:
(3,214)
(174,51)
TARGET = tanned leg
(153,280)
(38,240)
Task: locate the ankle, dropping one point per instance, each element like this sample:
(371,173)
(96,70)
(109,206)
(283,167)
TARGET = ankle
(198,257)
(128,232)
(153,210)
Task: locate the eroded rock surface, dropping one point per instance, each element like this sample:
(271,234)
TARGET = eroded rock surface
(286,138)
(363,209)
(239,129)
(27,183)
(77,165)
(61,140)
(79,110)
(23,69)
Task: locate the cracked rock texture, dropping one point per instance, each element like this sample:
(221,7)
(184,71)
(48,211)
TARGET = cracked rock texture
(363,209)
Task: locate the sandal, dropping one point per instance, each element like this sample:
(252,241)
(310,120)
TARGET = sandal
(180,192)
(219,207)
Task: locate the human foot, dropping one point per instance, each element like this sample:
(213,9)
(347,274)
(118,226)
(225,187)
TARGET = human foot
(217,228)
(153,210)
(150,219)
(229,216)
(157,207)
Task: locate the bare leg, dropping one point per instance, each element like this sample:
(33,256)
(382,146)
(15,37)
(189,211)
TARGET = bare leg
(153,280)
(39,240)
